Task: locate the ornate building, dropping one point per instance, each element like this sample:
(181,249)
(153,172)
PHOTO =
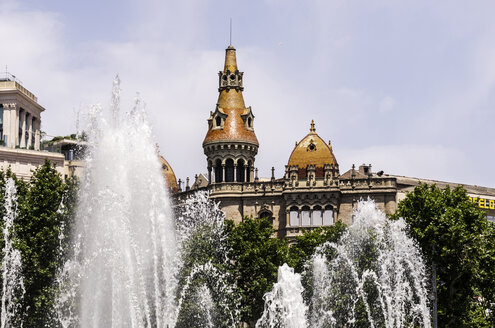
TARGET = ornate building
(312,192)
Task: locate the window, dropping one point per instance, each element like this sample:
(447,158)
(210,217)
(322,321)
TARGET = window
(317,217)
(265,215)
(240,171)
(218,171)
(229,170)
(250,122)
(294,216)
(218,121)
(306,216)
(26,133)
(328,215)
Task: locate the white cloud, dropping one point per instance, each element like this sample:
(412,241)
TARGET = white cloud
(387,104)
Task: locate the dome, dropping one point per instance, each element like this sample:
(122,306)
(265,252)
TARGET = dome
(312,150)
(231,120)
(169,174)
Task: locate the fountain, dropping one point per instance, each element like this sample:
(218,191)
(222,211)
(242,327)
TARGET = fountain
(133,266)
(122,273)
(373,277)
(206,289)
(12,280)
(284,306)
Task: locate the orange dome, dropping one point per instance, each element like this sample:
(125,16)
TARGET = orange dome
(235,120)
(312,150)
(169,174)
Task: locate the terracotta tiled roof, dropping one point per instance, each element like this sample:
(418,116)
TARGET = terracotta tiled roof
(231,102)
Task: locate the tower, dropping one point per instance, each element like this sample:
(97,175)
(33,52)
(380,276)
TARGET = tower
(230,144)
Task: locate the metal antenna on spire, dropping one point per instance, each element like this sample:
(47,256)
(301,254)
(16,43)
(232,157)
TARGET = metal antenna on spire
(230,30)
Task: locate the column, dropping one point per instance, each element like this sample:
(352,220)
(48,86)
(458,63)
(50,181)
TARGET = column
(235,172)
(9,124)
(37,134)
(31,131)
(209,175)
(22,118)
(223,172)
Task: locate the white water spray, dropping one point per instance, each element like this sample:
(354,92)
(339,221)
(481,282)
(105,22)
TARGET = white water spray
(122,274)
(373,277)
(12,280)
(284,306)
(376,275)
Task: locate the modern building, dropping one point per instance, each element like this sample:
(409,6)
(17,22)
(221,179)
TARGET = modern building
(312,192)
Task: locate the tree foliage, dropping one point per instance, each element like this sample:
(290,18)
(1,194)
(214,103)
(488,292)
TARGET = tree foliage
(257,256)
(46,207)
(455,237)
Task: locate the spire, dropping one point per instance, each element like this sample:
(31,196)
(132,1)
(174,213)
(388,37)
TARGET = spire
(230,77)
(231,120)
(312,129)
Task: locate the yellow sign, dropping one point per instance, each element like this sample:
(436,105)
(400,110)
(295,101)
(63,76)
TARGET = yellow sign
(488,204)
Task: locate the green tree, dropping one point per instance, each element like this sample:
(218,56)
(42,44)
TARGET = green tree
(257,254)
(47,207)
(456,238)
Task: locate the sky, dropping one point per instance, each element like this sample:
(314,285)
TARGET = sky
(407,86)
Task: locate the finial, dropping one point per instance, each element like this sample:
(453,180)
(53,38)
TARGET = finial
(273,173)
(312,129)
(230,43)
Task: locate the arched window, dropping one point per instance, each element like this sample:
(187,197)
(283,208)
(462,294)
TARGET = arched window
(240,171)
(317,216)
(294,216)
(218,171)
(229,170)
(218,121)
(328,215)
(306,216)
(265,215)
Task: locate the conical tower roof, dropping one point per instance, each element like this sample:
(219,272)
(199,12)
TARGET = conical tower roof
(231,107)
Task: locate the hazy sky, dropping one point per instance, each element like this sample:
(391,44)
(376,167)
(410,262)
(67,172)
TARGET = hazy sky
(408,86)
